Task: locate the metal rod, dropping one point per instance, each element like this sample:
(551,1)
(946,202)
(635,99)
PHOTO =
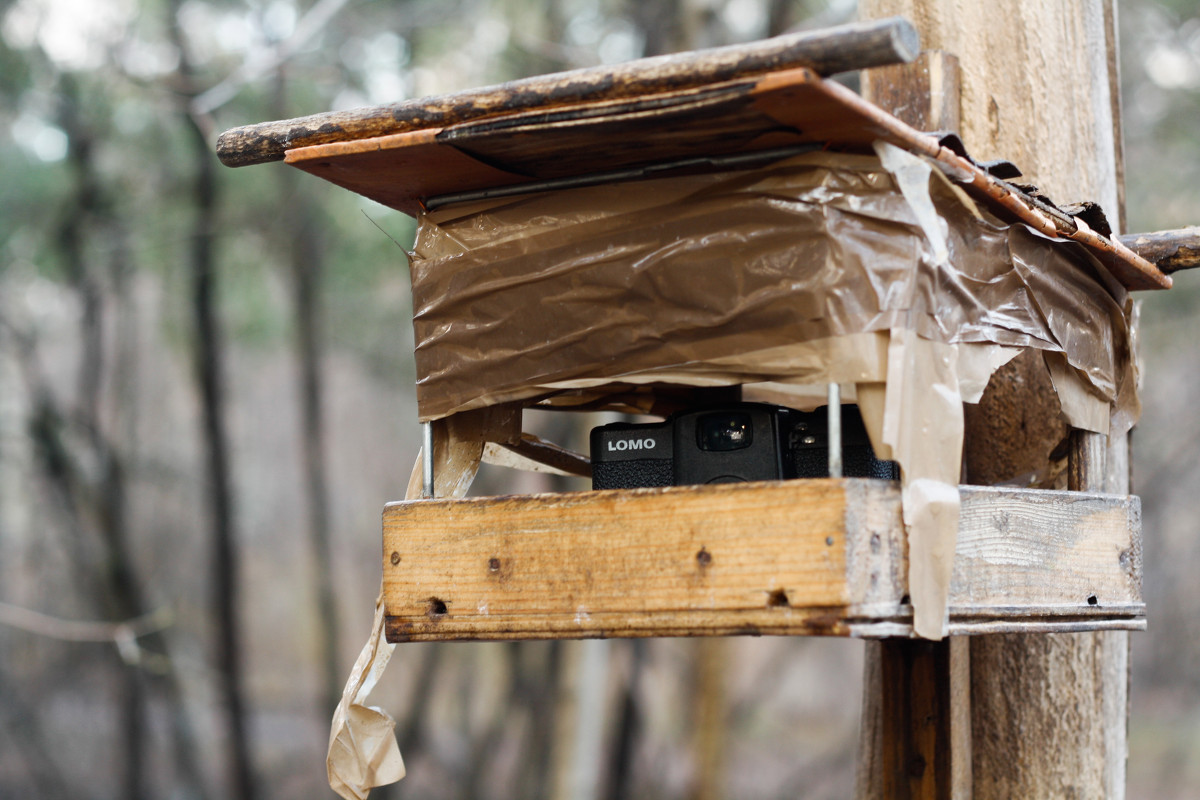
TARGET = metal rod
(735,161)
(834,407)
(427,476)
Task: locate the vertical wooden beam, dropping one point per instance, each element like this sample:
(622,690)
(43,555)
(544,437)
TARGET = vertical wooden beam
(915,682)
(916,728)
(1087,457)
(1038,87)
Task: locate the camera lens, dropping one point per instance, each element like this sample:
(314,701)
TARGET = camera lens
(725,430)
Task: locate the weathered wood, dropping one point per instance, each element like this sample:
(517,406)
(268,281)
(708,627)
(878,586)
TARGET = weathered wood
(909,746)
(917,744)
(537,455)
(1046,718)
(1170,251)
(1086,456)
(828,51)
(795,557)
(1016,427)
(923,94)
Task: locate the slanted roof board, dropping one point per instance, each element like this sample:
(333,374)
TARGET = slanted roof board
(791,107)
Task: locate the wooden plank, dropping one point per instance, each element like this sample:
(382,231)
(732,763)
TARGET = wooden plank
(827,51)
(592,552)
(746,115)
(824,557)
(1021,550)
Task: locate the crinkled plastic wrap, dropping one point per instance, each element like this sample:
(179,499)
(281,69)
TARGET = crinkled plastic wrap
(692,278)
(872,271)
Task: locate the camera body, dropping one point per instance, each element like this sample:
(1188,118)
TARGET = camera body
(730,444)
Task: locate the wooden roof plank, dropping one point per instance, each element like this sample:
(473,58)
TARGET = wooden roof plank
(828,51)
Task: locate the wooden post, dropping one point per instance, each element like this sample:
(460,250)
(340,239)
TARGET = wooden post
(1039,86)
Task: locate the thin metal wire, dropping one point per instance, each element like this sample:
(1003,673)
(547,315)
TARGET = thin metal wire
(739,160)
(427,476)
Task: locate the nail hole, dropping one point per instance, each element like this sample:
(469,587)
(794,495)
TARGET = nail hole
(1092,600)
(494,564)
(905,600)
(829,541)
(395,559)
(777,599)
(437,608)
(703,558)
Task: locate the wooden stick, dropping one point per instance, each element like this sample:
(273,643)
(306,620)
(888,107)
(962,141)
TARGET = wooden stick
(1170,251)
(1086,461)
(832,50)
(917,744)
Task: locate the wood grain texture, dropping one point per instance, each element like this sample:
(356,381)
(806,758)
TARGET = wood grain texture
(923,94)
(914,676)
(601,139)
(827,51)
(1039,88)
(795,557)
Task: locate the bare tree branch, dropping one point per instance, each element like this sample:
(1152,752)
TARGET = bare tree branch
(259,63)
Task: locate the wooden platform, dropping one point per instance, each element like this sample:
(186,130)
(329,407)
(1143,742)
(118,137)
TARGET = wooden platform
(801,557)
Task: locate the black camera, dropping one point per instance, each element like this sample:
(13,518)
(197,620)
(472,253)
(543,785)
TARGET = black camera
(729,444)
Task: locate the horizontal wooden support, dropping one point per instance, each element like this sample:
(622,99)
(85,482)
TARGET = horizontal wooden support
(1170,251)
(824,557)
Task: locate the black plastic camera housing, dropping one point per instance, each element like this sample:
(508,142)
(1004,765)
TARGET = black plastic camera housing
(730,444)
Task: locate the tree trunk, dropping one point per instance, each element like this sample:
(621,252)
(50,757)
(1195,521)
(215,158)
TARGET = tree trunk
(303,243)
(1038,87)
(208,363)
(209,357)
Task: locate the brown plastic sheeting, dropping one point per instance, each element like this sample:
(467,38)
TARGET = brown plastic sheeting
(877,272)
(689,278)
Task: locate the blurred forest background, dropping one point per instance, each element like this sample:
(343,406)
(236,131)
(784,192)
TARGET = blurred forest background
(206,397)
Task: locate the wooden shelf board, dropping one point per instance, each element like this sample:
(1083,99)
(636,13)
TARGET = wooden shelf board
(803,557)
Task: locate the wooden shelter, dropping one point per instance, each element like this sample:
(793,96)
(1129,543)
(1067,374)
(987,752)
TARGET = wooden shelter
(825,556)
